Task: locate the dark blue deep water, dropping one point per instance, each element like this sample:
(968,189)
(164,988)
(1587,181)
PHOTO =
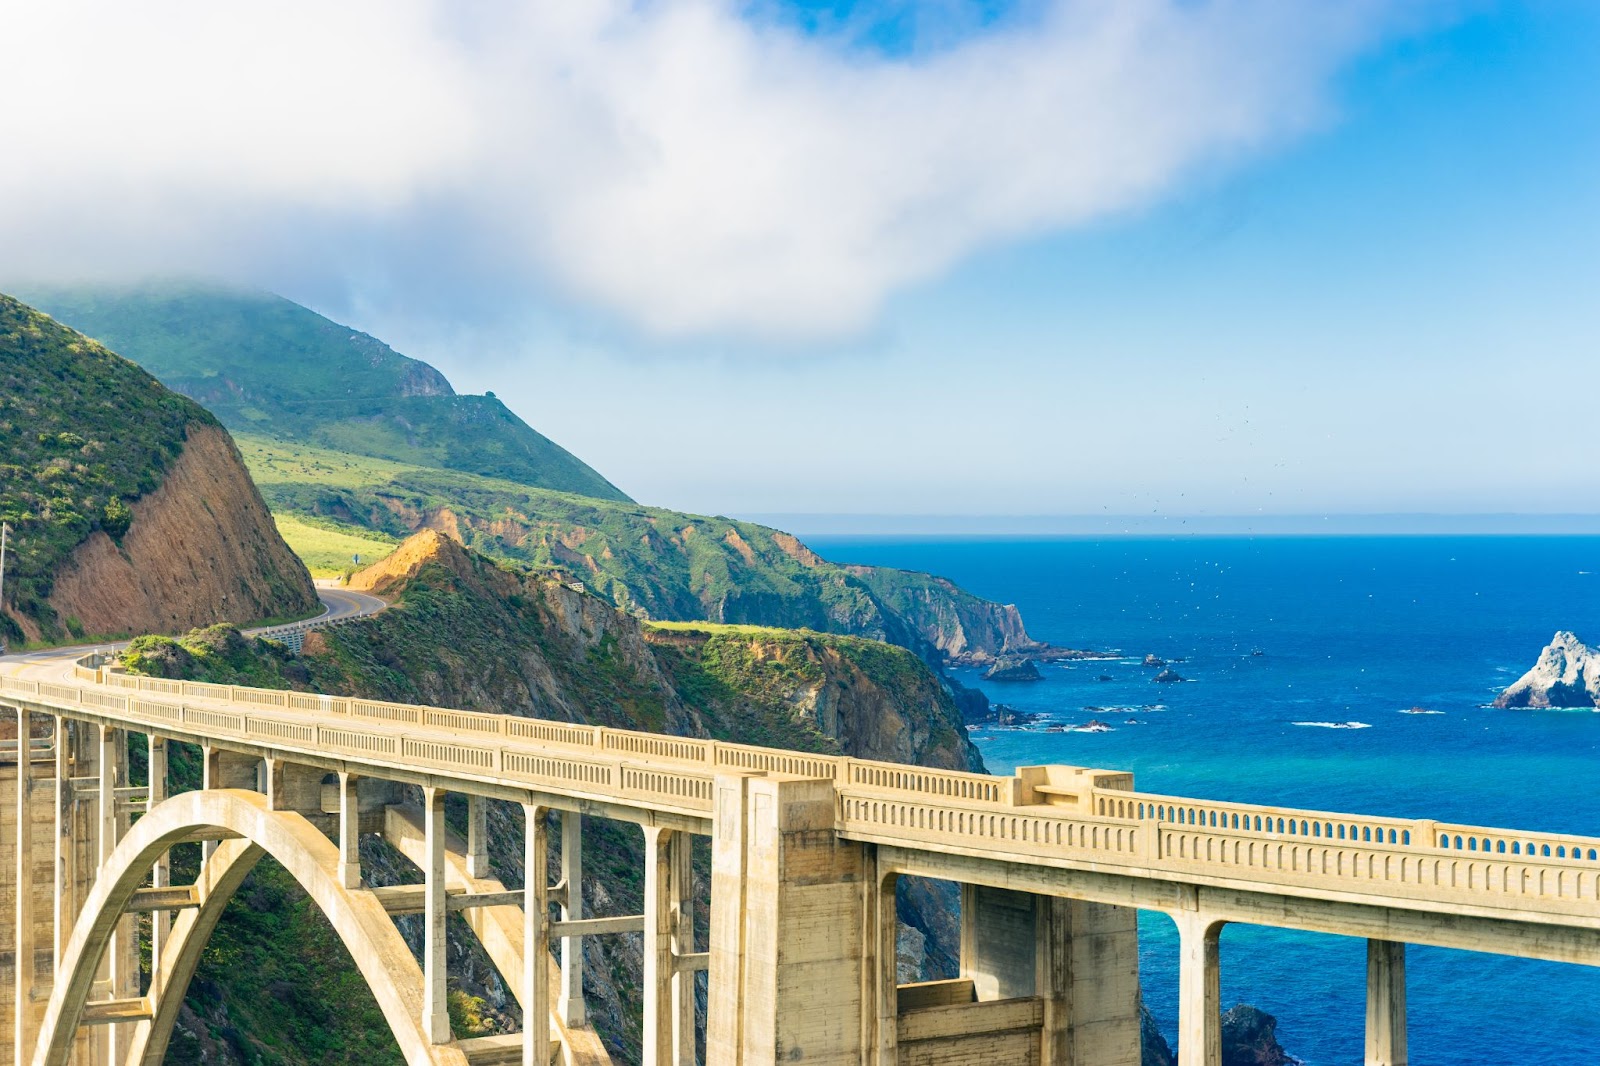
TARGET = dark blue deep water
(1352,629)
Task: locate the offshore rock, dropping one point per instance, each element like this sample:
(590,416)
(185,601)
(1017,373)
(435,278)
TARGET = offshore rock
(1013,668)
(1154,660)
(1153,1047)
(1169,676)
(1250,1038)
(1566,675)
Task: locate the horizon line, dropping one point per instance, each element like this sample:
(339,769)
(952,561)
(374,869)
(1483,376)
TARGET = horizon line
(1394,523)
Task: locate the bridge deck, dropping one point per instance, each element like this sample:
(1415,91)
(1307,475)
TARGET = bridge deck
(1058,817)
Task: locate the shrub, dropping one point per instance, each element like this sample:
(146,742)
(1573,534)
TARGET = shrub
(116,518)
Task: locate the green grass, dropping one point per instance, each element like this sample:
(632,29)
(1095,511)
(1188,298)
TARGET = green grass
(263,364)
(721,629)
(328,548)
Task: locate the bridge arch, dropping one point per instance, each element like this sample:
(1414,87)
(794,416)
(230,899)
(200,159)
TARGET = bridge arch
(252,831)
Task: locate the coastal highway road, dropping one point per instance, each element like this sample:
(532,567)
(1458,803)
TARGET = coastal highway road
(337,605)
(341,605)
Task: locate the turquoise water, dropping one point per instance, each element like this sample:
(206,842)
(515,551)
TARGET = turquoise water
(1351,629)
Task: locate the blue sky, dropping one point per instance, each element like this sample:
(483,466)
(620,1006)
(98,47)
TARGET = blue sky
(1165,257)
(1398,311)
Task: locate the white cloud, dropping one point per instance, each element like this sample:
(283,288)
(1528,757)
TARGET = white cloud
(691,170)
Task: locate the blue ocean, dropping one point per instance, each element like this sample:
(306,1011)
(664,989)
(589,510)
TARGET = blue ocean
(1349,630)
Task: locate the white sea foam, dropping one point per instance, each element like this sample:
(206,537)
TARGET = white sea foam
(1333,725)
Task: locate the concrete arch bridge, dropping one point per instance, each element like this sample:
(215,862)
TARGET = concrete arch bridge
(798,945)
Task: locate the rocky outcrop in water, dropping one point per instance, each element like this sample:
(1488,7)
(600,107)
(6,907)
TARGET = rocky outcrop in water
(1169,676)
(1566,675)
(1013,668)
(1250,1038)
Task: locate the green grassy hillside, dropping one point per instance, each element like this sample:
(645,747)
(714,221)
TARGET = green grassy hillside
(267,366)
(83,433)
(656,563)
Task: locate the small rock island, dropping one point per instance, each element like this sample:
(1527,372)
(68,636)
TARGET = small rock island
(1566,675)
(1013,668)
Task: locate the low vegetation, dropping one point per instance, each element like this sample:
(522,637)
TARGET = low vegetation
(83,433)
(330,548)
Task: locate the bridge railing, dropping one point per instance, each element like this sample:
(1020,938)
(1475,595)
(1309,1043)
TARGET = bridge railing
(711,755)
(1326,827)
(1387,869)
(920,807)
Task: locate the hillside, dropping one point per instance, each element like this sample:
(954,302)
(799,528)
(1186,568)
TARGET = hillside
(532,646)
(129,506)
(656,563)
(266,365)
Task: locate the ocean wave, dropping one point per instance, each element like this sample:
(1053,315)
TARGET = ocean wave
(1333,725)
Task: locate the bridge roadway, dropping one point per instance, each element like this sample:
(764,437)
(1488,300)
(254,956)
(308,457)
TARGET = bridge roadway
(1053,861)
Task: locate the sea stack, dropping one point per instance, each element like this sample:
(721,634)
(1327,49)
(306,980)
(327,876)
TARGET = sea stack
(1013,668)
(1566,675)
(1169,676)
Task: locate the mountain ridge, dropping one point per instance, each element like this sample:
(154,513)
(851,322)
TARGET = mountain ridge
(264,364)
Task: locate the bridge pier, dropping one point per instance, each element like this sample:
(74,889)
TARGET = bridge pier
(1080,960)
(23,939)
(435,968)
(1386,1004)
(797,918)
(570,1004)
(349,830)
(161,872)
(1199,989)
(121,966)
(536,937)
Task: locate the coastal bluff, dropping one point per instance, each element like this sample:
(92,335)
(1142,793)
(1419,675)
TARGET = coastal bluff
(129,508)
(1566,675)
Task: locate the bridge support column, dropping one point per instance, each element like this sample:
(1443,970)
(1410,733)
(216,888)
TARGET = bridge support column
(477,837)
(570,1004)
(1081,959)
(536,938)
(881,1032)
(23,942)
(806,976)
(63,841)
(349,831)
(725,1004)
(122,962)
(435,1004)
(1386,1004)
(227,769)
(161,874)
(668,932)
(1199,990)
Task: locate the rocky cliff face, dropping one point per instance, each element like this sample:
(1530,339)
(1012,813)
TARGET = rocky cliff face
(1566,675)
(130,509)
(201,548)
(960,625)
